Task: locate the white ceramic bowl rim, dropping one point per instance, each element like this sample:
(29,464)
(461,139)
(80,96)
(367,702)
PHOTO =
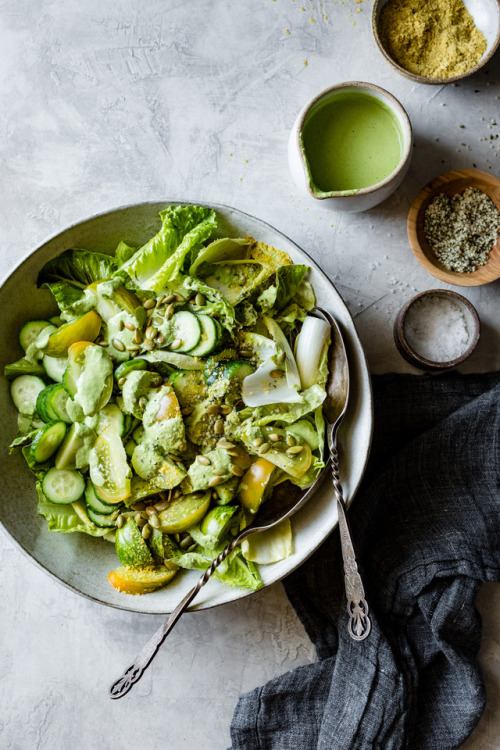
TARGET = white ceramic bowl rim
(361,362)
(395,106)
(377,7)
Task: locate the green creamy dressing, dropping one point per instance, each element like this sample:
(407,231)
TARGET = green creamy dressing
(350,141)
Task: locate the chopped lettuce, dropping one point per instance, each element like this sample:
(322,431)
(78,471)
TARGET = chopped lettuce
(24,366)
(64,518)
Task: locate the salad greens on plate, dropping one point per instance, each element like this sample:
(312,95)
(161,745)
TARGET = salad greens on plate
(178,385)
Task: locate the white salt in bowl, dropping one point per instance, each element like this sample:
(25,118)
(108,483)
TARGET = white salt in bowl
(435,335)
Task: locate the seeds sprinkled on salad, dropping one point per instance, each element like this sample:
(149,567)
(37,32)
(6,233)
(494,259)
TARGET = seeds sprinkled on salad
(167,442)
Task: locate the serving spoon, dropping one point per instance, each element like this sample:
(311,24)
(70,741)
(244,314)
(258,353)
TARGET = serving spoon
(286,500)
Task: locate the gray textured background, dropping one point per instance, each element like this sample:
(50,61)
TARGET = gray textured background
(106,103)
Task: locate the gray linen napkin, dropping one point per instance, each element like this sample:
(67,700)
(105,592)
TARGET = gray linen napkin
(426,523)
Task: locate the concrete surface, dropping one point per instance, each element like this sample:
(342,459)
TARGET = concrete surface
(106,103)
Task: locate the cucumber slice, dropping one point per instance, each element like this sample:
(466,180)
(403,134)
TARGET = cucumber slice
(47,441)
(187,329)
(66,454)
(101,520)
(219,521)
(237,370)
(24,392)
(95,503)
(109,470)
(31,331)
(189,385)
(216,372)
(63,486)
(111,414)
(55,367)
(51,404)
(210,336)
(127,367)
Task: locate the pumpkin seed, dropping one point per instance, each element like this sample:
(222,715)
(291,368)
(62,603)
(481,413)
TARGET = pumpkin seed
(215,481)
(140,521)
(103,343)
(121,325)
(186,411)
(295,449)
(122,382)
(191,548)
(276,373)
(180,298)
(133,348)
(237,471)
(161,506)
(165,495)
(177,538)
(143,402)
(169,298)
(137,336)
(176,343)
(204,460)
(233,453)
(290,440)
(149,303)
(160,340)
(148,345)
(151,510)
(119,345)
(138,506)
(213,409)
(258,442)
(129,326)
(225,409)
(225,444)
(246,353)
(199,300)
(214,495)
(154,521)
(146,531)
(157,321)
(150,313)
(274,437)
(119,522)
(280,358)
(151,332)
(186,542)
(264,448)
(169,312)
(219,427)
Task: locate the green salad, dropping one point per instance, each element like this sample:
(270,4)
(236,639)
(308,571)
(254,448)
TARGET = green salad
(178,385)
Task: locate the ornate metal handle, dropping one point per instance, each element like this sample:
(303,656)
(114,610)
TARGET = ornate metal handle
(359,625)
(134,672)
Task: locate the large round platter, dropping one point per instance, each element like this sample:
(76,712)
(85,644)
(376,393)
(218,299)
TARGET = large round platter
(83,563)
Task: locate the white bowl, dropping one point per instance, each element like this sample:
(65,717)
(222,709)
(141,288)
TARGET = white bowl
(83,563)
(348,200)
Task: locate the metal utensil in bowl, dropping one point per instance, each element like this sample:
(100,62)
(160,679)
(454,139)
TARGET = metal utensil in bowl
(286,500)
(334,408)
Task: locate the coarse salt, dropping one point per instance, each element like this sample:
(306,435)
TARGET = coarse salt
(436,328)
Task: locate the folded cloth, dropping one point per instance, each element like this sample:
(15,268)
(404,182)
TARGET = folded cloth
(426,526)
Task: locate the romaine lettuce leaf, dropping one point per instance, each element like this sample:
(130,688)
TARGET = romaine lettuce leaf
(216,304)
(24,366)
(239,422)
(21,440)
(286,282)
(234,570)
(124,252)
(218,250)
(269,546)
(68,274)
(159,261)
(64,518)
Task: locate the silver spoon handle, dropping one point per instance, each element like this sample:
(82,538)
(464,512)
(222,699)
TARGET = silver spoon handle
(134,672)
(359,625)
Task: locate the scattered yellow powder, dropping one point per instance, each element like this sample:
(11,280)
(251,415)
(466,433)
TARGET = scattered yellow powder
(305,63)
(435,38)
(312,20)
(287,31)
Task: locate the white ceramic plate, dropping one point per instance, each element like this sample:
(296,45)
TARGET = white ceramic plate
(81,562)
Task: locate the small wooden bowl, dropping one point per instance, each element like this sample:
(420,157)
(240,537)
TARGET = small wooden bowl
(486,15)
(416,359)
(452,183)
